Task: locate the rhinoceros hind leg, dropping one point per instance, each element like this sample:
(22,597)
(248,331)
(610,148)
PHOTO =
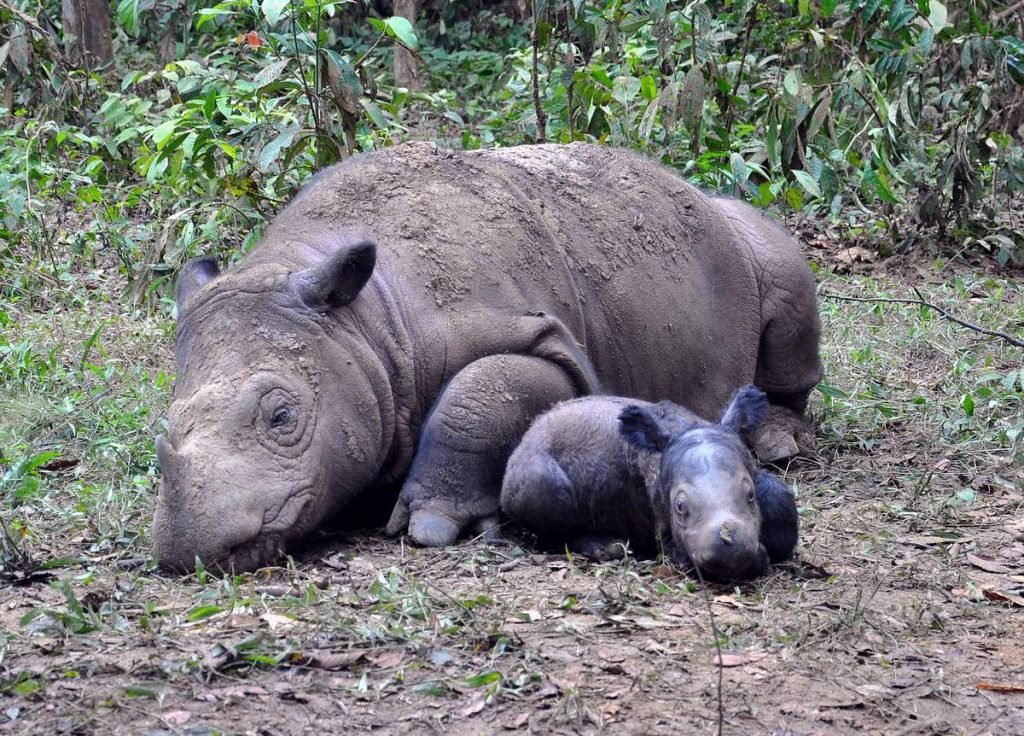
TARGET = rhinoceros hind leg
(455,479)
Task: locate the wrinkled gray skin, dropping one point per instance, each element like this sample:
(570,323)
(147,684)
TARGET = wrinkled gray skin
(412,310)
(602,472)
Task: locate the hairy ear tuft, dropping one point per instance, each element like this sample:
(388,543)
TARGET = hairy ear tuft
(641,429)
(746,409)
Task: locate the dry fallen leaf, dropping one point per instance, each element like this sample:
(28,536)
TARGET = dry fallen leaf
(176,717)
(732,659)
(330,660)
(1000,688)
(986,564)
(475,706)
(387,660)
(276,621)
(1000,597)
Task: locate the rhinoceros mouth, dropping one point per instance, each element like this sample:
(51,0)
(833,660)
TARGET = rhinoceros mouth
(260,552)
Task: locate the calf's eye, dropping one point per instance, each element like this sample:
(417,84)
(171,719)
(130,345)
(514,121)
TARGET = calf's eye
(681,507)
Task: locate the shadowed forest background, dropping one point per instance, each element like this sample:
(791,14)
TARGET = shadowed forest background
(888,134)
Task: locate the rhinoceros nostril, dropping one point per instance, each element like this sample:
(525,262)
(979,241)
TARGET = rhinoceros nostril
(725,532)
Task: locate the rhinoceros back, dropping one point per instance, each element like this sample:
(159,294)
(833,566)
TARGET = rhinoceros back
(644,271)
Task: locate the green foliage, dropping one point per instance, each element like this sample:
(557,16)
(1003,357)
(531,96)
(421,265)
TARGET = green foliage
(852,109)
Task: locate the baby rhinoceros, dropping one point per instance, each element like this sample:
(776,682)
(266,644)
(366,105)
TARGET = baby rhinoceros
(598,471)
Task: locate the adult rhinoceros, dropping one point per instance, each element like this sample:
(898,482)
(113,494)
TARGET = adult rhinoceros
(412,310)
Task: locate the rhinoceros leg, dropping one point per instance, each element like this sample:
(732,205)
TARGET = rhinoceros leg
(480,417)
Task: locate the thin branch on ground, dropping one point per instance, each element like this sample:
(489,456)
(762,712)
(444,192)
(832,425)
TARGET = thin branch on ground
(920,301)
(718,645)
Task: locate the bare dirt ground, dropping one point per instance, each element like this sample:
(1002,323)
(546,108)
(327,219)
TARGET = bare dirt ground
(903,614)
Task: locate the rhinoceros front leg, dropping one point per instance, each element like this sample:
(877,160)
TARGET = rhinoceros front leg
(455,480)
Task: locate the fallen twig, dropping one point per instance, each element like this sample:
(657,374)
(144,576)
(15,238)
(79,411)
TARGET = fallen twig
(718,645)
(1017,342)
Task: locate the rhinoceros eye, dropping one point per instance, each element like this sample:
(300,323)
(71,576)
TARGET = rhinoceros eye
(681,507)
(282,417)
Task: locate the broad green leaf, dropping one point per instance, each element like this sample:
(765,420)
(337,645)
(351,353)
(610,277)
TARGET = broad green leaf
(739,169)
(791,82)
(967,403)
(271,151)
(201,612)
(375,114)
(273,9)
(484,678)
(937,16)
(625,90)
(270,73)
(828,7)
(648,87)
(401,29)
(163,132)
(807,182)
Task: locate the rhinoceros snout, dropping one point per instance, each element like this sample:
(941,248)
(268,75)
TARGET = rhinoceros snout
(196,519)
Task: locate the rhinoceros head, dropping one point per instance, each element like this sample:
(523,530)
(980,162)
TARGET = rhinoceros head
(276,416)
(708,483)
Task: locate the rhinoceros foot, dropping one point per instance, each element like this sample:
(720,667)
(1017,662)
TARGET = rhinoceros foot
(782,435)
(432,529)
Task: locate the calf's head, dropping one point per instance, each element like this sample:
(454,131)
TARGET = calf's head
(276,415)
(707,483)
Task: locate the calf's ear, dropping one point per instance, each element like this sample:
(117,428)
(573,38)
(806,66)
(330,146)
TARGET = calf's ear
(746,409)
(192,277)
(641,429)
(339,278)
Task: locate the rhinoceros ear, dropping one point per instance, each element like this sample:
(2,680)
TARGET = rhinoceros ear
(746,410)
(193,275)
(640,428)
(339,279)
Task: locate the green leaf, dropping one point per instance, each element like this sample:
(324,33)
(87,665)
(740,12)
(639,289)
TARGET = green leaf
(967,404)
(401,30)
(273,9)
(648,87)
(203,612)
(375,114)
(828,7)
(484,678)
(937,16)
(269,73)
(791,82)
(739,169)
(162,133)
(271,151)
(807,182)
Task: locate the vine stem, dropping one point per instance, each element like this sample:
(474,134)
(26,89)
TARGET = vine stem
(921,302)
(539,110)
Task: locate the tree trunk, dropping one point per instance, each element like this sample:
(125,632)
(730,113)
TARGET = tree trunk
(87,40)
(406,73)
